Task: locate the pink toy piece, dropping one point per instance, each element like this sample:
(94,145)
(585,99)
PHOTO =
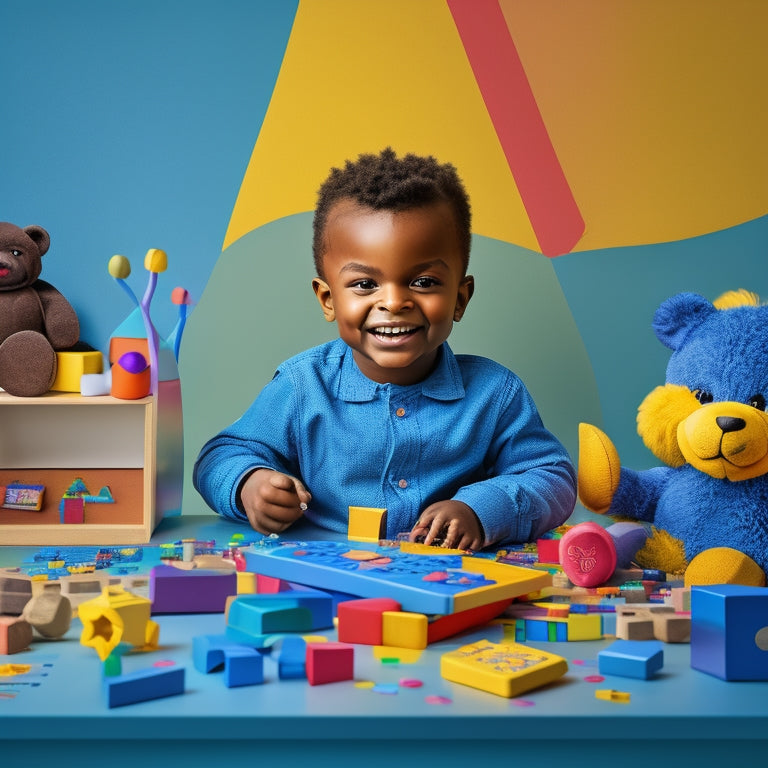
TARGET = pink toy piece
(329,663)
(15,635)
(588,554)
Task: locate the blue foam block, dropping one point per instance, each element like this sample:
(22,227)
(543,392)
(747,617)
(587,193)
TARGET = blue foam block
(631,658)
(143,685)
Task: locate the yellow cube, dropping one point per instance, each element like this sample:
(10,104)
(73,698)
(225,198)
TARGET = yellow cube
(72,365)
(404,629)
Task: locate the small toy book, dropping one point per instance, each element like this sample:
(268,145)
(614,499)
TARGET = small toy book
(22,496)
(506,669)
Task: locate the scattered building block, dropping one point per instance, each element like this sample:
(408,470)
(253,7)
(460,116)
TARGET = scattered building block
(281,612)
(15,635)
(548,550)
(360,621)
(173,590)
(117,616)
(329,663)
(247,583)
(72,365)
(630,658)
(15,593)
(72,510)
(243,666)
(501,668)
(208,652)
(634,624)
(50,613)
(404,629)
(729,631)
(269,584)
(292,659)
(143,685)
(367,524)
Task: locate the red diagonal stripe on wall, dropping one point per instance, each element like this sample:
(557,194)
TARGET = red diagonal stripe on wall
(551,208)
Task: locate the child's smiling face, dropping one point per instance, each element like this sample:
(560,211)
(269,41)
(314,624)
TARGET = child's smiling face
(394,283)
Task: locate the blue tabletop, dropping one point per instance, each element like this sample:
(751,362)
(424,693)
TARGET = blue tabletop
(61,698)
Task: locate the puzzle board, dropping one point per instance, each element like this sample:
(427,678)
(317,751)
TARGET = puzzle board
(423,583)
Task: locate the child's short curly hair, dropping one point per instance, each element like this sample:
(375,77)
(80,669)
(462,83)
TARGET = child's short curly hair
(386,182)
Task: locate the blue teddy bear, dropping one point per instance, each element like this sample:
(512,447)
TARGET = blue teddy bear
(708,508)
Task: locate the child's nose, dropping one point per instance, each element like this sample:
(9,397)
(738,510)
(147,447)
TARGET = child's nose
(395,298)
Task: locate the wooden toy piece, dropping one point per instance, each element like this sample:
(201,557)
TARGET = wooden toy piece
(143,685)
(50,613)
(172,590)
(633,624)
(367,524)
(292,659)
(630,658)
(652,622)
(81,587)
(404,629)
(15,593)
(500,668)
(117,616)
(15,635)
(729,631)
(360,621)
(72,365)
(329,663)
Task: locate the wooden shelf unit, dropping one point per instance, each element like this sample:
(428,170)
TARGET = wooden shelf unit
(53,439)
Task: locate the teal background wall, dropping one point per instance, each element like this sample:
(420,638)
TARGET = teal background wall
(128,126)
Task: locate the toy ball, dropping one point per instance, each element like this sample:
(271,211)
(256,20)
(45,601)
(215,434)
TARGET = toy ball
(133,362)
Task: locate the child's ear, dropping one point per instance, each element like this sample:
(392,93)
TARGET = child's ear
(466,289)
(323,293)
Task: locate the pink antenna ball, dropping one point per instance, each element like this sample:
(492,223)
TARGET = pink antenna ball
(133,362)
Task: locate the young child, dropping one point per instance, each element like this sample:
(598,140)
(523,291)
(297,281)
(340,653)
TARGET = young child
(386,415)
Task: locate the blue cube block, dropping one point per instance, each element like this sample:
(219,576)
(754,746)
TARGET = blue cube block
(243,666)
(536,629)
(729,631)
(631,658)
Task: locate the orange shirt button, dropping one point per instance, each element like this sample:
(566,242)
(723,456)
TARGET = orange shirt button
(400,412)
(403,483)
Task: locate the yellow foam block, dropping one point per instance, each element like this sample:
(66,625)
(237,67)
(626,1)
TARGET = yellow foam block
(404,629)
(72,365)
(367,524)
(506,669)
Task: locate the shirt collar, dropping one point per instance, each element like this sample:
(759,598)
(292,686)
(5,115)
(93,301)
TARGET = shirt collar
(444,383)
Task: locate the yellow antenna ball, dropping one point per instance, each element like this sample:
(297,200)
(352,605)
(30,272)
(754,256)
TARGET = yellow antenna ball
(155,260)
(119,267)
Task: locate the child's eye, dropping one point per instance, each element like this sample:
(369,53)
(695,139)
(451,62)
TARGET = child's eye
(425,282)
(364,285)
(703,396)
(757,401)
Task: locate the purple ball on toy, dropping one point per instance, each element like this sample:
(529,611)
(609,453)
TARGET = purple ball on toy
(133,362)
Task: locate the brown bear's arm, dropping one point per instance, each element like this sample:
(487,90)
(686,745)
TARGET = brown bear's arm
(61,324)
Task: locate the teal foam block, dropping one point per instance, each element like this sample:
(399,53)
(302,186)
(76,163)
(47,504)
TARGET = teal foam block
(143,685)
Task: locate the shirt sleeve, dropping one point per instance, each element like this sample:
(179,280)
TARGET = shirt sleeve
(263,437)
(531,483)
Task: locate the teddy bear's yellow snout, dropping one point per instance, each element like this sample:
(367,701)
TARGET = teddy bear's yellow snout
(726,440)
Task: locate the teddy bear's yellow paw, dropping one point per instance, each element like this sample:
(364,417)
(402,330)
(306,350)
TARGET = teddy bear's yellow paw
(723,565)
(599,468)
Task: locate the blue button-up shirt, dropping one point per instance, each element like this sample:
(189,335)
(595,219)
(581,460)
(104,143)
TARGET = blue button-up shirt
(470,431)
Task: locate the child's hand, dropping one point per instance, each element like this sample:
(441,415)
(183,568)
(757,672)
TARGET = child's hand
(273,501)
(452,521)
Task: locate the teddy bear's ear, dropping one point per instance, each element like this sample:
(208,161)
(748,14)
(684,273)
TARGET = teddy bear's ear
(40,236)
(678,316)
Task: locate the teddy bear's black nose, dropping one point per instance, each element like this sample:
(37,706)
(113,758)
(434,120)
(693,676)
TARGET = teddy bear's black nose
(730,423)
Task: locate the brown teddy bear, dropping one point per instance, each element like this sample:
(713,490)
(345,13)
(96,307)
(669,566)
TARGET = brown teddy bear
(35,319)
